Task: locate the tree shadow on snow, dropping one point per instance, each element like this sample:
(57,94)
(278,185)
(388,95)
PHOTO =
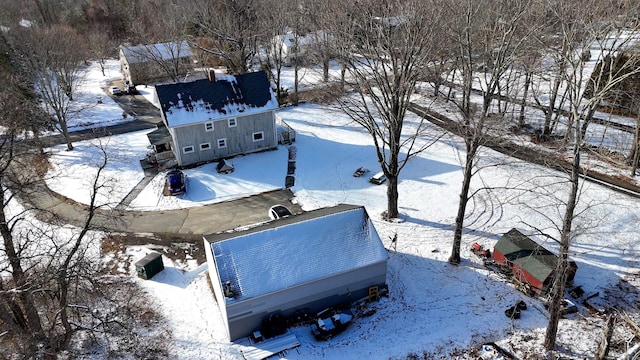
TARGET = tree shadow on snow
(178,277)
(328,165)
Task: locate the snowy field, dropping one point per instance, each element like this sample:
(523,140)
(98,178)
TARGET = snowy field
(433,307)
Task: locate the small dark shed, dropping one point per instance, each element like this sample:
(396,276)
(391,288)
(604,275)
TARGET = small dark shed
(149,265)
(529,262)
(225,167)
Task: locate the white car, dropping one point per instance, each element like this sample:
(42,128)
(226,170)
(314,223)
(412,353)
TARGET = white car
(114,90)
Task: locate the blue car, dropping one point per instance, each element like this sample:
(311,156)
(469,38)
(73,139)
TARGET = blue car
(174,182)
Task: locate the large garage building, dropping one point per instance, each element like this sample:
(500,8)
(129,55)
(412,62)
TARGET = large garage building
(304,262)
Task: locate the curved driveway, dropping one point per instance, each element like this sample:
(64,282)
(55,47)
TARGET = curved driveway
(206,219)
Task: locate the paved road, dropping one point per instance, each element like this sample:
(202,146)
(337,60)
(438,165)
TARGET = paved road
(530,155)
(200,220)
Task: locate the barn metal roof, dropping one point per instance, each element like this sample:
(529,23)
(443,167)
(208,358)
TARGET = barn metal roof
(203,100)
(299,249)
(529,255)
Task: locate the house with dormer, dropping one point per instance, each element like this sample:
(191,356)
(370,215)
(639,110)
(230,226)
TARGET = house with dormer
(218,117)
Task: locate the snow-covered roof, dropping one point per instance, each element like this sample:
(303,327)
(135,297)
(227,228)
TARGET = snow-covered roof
(25,23)
(297,250)
(316,37)
(163,51)
(203,100)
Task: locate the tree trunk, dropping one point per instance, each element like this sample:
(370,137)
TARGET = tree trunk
(560,281)
(635,149)
(24,309)
(392,197)
(603,347)
(464,199)
(325,69)
(551,107)
(525,93)
(296,83)
(65,133)
(449,93)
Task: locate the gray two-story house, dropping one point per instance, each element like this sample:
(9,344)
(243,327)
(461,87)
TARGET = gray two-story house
(219,117)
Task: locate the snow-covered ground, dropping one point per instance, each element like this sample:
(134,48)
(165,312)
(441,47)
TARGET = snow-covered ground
(432,307)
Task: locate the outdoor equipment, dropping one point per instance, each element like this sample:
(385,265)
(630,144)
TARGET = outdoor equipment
(149,265)
(480,251)
(224,167)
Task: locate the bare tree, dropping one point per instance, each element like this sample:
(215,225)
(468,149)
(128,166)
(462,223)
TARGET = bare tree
(54,57)
(489,37)
(101,47)
(226,30)
(393,44)
(275,15)
(162,60)
(584,96)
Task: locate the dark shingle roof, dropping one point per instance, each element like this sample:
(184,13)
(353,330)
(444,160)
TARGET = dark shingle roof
(203,100)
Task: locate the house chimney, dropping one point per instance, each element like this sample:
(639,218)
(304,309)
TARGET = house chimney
(211,74)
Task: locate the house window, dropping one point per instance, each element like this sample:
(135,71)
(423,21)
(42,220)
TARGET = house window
(205,146)
(232,122)
(208,126)
(222,143)
(258,136)
(188,149)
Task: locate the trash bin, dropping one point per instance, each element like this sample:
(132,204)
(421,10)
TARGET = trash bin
(149,265)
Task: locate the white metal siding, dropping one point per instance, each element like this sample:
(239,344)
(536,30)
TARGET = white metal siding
(246,316)
(239,138)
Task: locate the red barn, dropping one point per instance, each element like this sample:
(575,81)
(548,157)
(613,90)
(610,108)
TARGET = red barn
(529,262)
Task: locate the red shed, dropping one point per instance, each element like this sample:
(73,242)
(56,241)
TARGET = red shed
(529,262)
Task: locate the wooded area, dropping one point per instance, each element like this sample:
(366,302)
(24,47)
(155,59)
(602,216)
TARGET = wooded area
(515,53)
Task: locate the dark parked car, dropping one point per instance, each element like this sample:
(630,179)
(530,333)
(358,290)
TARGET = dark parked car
(174,181)
(129,88)
(330,322)
(278,212)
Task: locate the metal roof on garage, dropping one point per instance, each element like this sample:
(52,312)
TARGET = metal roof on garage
(296,250)
(527,254)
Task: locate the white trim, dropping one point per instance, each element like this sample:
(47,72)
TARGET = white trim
(235,122)
(186,151)
(208,126)
(222,143)
(205,146)
(260,133)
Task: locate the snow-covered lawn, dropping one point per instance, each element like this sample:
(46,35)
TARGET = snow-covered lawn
(432,307)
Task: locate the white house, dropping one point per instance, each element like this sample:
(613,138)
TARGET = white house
(143,64)
(289,47)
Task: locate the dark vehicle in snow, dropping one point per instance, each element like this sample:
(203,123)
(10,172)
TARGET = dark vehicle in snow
(330,322)
(360,171)
(129,88)
(174,182)
(278,212)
